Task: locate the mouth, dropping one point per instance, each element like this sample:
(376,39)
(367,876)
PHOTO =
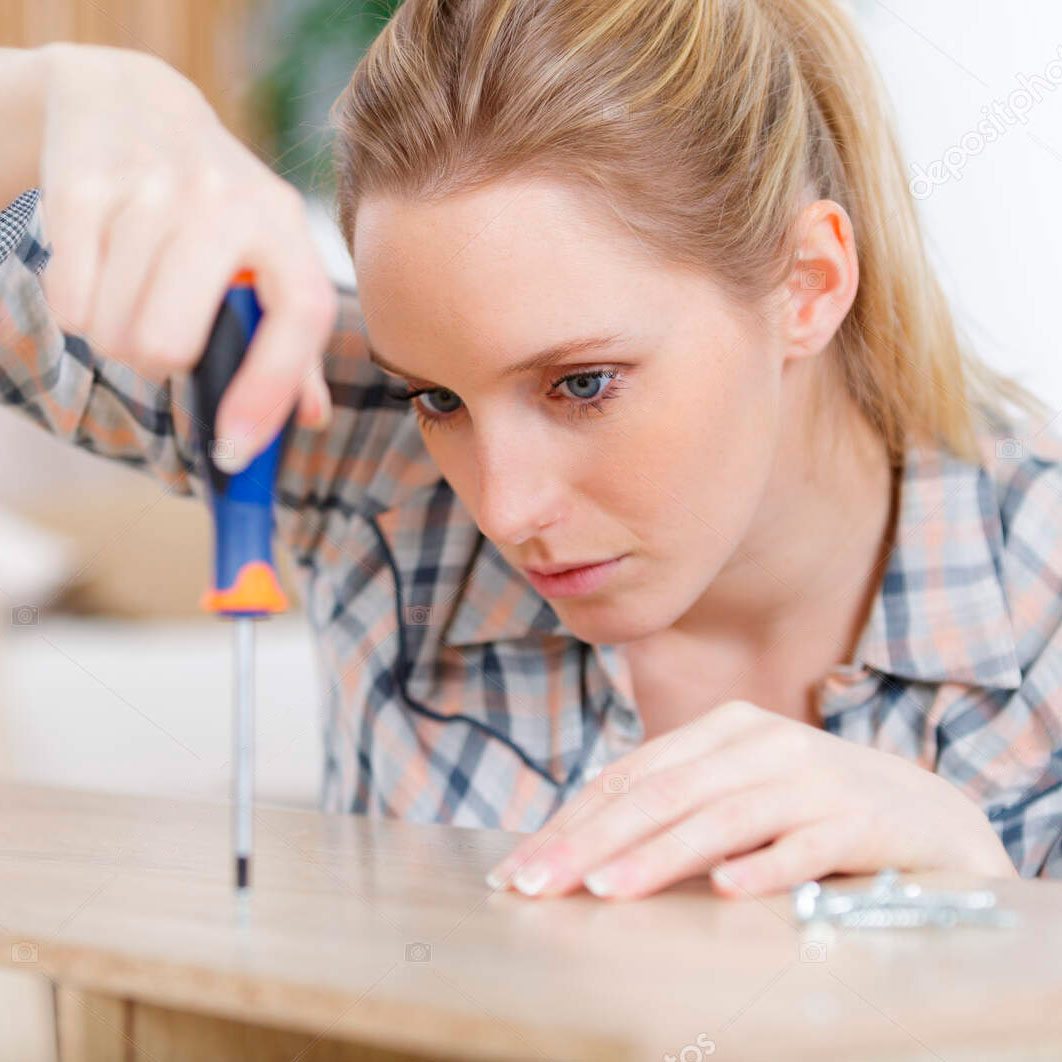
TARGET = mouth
(572,580)
(557,569)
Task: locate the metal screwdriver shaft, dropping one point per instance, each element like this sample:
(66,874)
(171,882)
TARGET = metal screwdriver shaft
(243,753)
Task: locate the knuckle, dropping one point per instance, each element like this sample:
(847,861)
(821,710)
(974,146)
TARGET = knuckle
(210,182)
(154,187)
(83,191)
(815,847)
(792,743)
(561,849)
(738,820)
(157,353)
(659,792)
(739,709)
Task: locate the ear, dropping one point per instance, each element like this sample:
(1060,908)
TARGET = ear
(822,286)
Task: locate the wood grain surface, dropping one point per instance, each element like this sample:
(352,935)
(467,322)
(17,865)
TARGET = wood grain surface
(384,933)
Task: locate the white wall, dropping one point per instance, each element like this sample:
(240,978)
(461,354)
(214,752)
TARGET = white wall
(994,227)
(145,706)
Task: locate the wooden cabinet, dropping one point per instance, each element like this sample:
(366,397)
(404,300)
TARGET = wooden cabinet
(207,40)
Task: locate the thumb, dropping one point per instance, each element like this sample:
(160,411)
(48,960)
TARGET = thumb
(315,402)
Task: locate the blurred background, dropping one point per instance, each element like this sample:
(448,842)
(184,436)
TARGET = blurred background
(121,682)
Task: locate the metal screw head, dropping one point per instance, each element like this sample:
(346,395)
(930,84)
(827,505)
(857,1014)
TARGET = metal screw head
(889,903)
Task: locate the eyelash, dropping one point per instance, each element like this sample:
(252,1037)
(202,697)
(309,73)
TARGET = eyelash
(579,409)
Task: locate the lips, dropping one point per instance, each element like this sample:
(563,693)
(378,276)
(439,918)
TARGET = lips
(574,582)
(556,569)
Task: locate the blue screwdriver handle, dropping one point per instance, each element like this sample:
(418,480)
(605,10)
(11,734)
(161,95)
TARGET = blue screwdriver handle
(245,578)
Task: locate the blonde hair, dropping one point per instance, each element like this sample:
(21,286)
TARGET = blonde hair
(703,124)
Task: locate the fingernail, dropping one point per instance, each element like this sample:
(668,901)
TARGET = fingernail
(232,451)
(496,880)
(531,879)
(723,878)
(599,883)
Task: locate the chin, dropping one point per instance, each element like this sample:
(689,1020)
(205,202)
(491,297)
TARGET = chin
(602,625)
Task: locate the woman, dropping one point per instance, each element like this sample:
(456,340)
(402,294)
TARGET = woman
(641,290)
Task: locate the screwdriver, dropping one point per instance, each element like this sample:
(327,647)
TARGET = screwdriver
(246,587)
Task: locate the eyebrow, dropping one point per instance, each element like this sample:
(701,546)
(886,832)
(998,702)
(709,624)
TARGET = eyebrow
(536,362)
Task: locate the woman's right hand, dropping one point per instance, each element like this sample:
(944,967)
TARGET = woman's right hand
(151,207)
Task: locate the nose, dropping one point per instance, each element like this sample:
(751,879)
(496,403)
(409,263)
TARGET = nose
(519,486)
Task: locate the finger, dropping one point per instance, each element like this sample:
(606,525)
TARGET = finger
(684,744)
(72,218)
(132,243)
(811,852)
(738,822)
(178,314)
(300,309)
(712,729)
(659,800)
(173,319)
(269,381)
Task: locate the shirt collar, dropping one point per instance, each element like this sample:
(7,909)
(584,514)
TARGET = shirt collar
(940,613)
(497,602)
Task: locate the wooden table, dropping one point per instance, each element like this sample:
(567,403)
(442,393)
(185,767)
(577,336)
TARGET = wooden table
(379,940)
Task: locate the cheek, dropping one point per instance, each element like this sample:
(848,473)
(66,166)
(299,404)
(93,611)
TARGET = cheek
(452,455)
(704,465)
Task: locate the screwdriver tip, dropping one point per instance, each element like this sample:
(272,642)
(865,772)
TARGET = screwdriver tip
(243,873)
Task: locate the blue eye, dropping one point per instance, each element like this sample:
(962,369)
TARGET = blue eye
(595,378)
(446,396)
(581,404)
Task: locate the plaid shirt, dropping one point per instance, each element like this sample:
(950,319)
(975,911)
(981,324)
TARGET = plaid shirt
(453,693)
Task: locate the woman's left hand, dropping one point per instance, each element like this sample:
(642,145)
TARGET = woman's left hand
(772,800)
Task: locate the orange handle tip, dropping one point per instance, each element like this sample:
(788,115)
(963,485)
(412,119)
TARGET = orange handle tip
(256,590)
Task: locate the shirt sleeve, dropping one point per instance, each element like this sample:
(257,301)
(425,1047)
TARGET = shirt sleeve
(53,377)
(363,461)
(1005,747)
(1027,811)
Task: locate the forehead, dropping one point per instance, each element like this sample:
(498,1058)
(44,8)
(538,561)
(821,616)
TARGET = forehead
(510,268)
(525,220)
(505,265)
